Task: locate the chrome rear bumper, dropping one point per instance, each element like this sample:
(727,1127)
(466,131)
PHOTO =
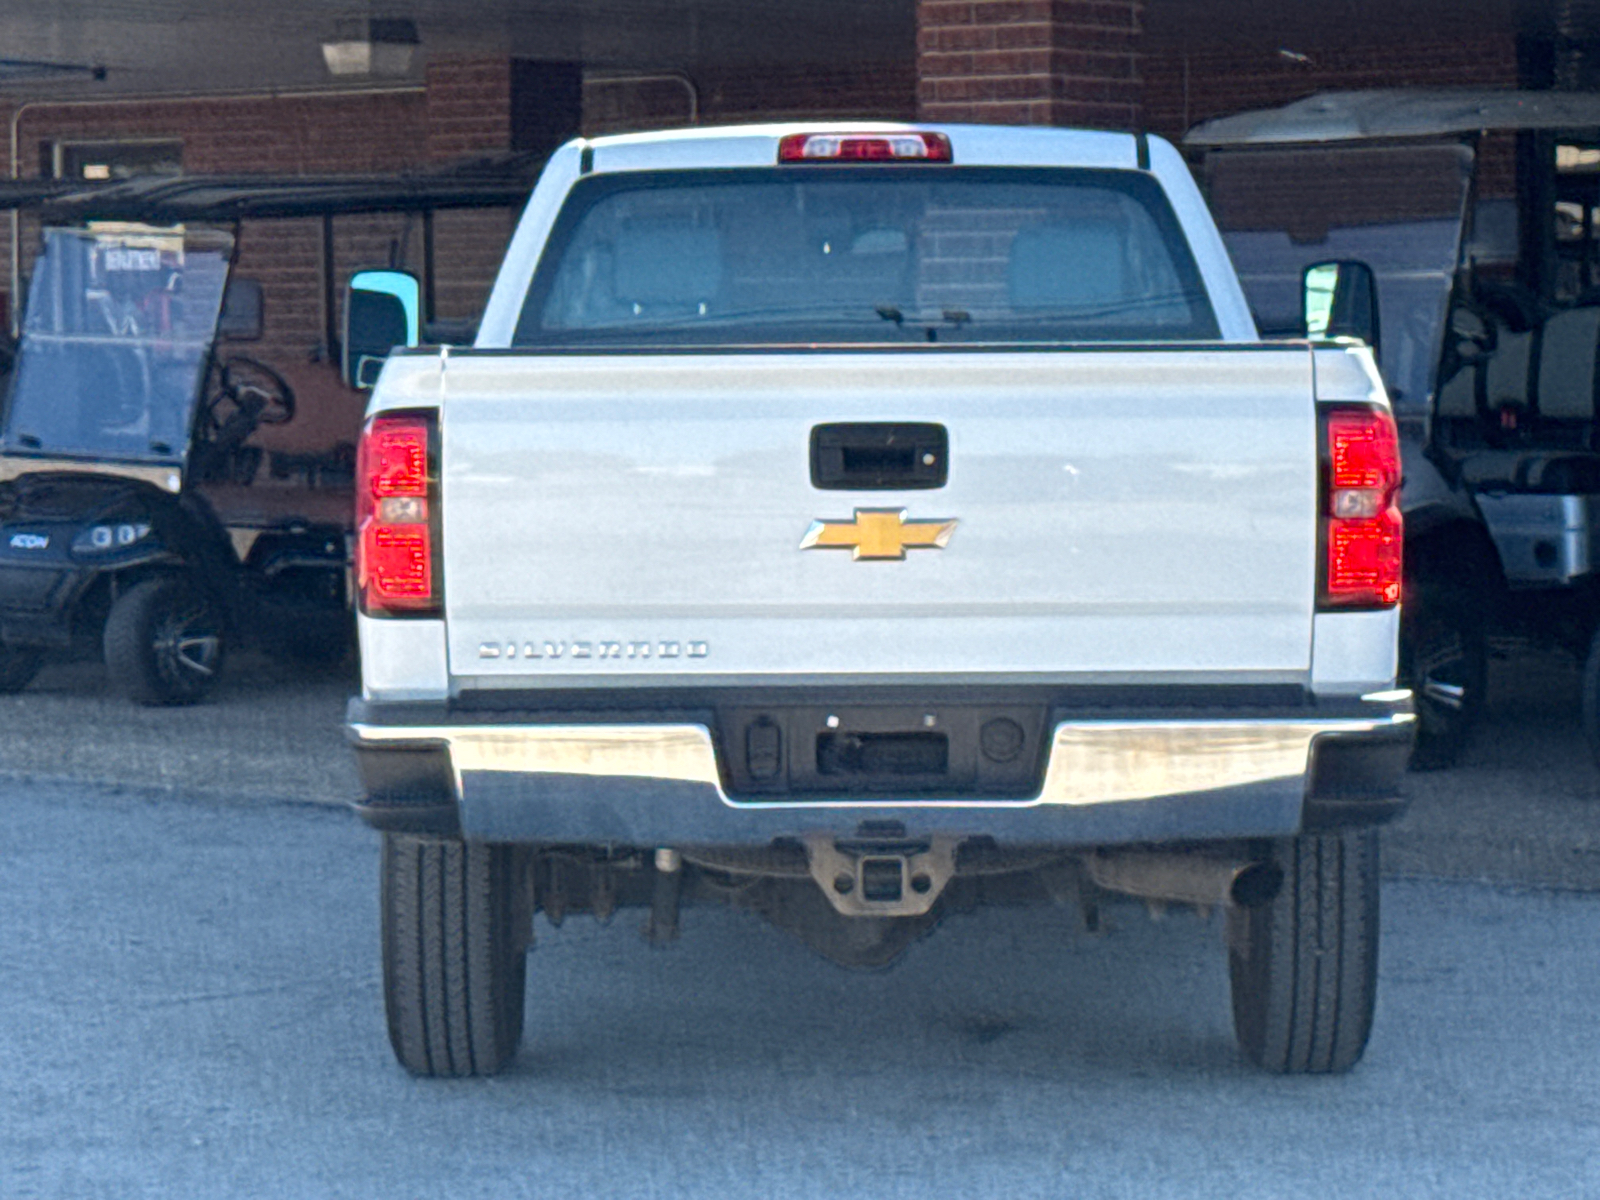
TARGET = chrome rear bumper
(1106,780)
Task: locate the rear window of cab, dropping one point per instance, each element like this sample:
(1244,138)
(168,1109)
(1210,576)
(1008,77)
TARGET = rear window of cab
(865,254)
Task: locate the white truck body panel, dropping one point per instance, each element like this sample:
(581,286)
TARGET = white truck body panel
(1123,513)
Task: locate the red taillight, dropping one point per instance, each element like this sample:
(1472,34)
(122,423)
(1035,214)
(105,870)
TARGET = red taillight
(1361,527)
(864,147)
(396,516)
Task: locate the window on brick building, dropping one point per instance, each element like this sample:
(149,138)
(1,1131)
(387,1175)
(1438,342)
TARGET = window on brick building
(107,160)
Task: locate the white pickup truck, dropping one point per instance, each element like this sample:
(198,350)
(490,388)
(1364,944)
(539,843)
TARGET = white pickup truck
(856,524)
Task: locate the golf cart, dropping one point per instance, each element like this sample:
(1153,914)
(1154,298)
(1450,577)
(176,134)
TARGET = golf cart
(128,420)
(164,494)
(1477,213)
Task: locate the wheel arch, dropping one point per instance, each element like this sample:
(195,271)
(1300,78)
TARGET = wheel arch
(1457,555)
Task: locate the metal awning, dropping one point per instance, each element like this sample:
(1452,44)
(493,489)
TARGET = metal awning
(502,182)
(172,199)
(1399,113)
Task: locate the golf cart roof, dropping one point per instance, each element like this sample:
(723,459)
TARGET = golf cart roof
(173,199)
(1399,113)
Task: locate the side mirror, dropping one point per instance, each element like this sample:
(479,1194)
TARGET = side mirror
(240,319)
(382,310)
(1340,299)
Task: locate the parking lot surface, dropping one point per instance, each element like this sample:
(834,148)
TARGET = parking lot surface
(1522,808)
(190,1003)
(191,1006)
(271,731)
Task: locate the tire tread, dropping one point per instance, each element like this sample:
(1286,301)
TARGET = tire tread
(1304,968)
(454,946)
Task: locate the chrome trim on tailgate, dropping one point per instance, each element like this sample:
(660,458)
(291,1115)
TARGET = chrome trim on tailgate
(1091,762)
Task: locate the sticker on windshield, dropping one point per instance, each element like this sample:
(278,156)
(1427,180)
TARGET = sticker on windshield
(125,258)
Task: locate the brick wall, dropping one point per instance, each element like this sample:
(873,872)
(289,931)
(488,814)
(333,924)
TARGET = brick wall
(360,133)
(354,133)
(463,112)
(885,89)
(1031,62)
(469,116)
(468,107)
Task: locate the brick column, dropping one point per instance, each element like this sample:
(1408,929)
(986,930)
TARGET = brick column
(1031,62)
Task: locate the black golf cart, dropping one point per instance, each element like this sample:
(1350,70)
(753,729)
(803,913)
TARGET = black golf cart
(127,414)
(162,494)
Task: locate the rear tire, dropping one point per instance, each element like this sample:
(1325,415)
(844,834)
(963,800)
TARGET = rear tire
(18,666)
(1304,968)
(456,923)
(164,642)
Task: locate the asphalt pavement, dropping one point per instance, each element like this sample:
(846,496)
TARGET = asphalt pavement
(1522,808)
(190,1003)
(190,1007)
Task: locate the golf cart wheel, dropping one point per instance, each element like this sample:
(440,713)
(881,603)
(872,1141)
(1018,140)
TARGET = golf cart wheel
(1304,967)
(1444,660)
(456,925)
(18,666)
(164,642)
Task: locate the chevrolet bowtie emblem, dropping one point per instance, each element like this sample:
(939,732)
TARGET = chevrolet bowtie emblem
(878,533)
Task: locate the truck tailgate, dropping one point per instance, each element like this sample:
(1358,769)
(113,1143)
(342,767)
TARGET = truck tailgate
(1121,514)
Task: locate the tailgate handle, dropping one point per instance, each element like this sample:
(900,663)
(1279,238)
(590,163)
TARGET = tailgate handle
(879,456)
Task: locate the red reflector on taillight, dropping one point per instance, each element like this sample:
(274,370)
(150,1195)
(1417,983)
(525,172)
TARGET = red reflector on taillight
(1362,530)
(397,562)
(397,455)
(1363,451)
(395,516)
(864,147)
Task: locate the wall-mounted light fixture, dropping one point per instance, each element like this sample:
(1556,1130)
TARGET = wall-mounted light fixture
(380,46)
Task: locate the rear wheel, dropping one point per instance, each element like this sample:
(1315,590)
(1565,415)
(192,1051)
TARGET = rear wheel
(164,642)
(1304,968)
(18,666)
(456,922)
(1444,660)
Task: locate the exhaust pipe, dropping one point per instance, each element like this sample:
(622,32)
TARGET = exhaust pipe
(1199,879)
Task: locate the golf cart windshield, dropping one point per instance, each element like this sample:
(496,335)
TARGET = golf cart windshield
(115,343)
(1398,208)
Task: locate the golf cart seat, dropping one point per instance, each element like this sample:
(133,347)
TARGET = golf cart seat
(1533,400)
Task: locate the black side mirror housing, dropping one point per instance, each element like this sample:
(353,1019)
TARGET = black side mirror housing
(1340,300)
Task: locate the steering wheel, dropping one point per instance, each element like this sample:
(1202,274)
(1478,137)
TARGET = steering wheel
(247,386)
